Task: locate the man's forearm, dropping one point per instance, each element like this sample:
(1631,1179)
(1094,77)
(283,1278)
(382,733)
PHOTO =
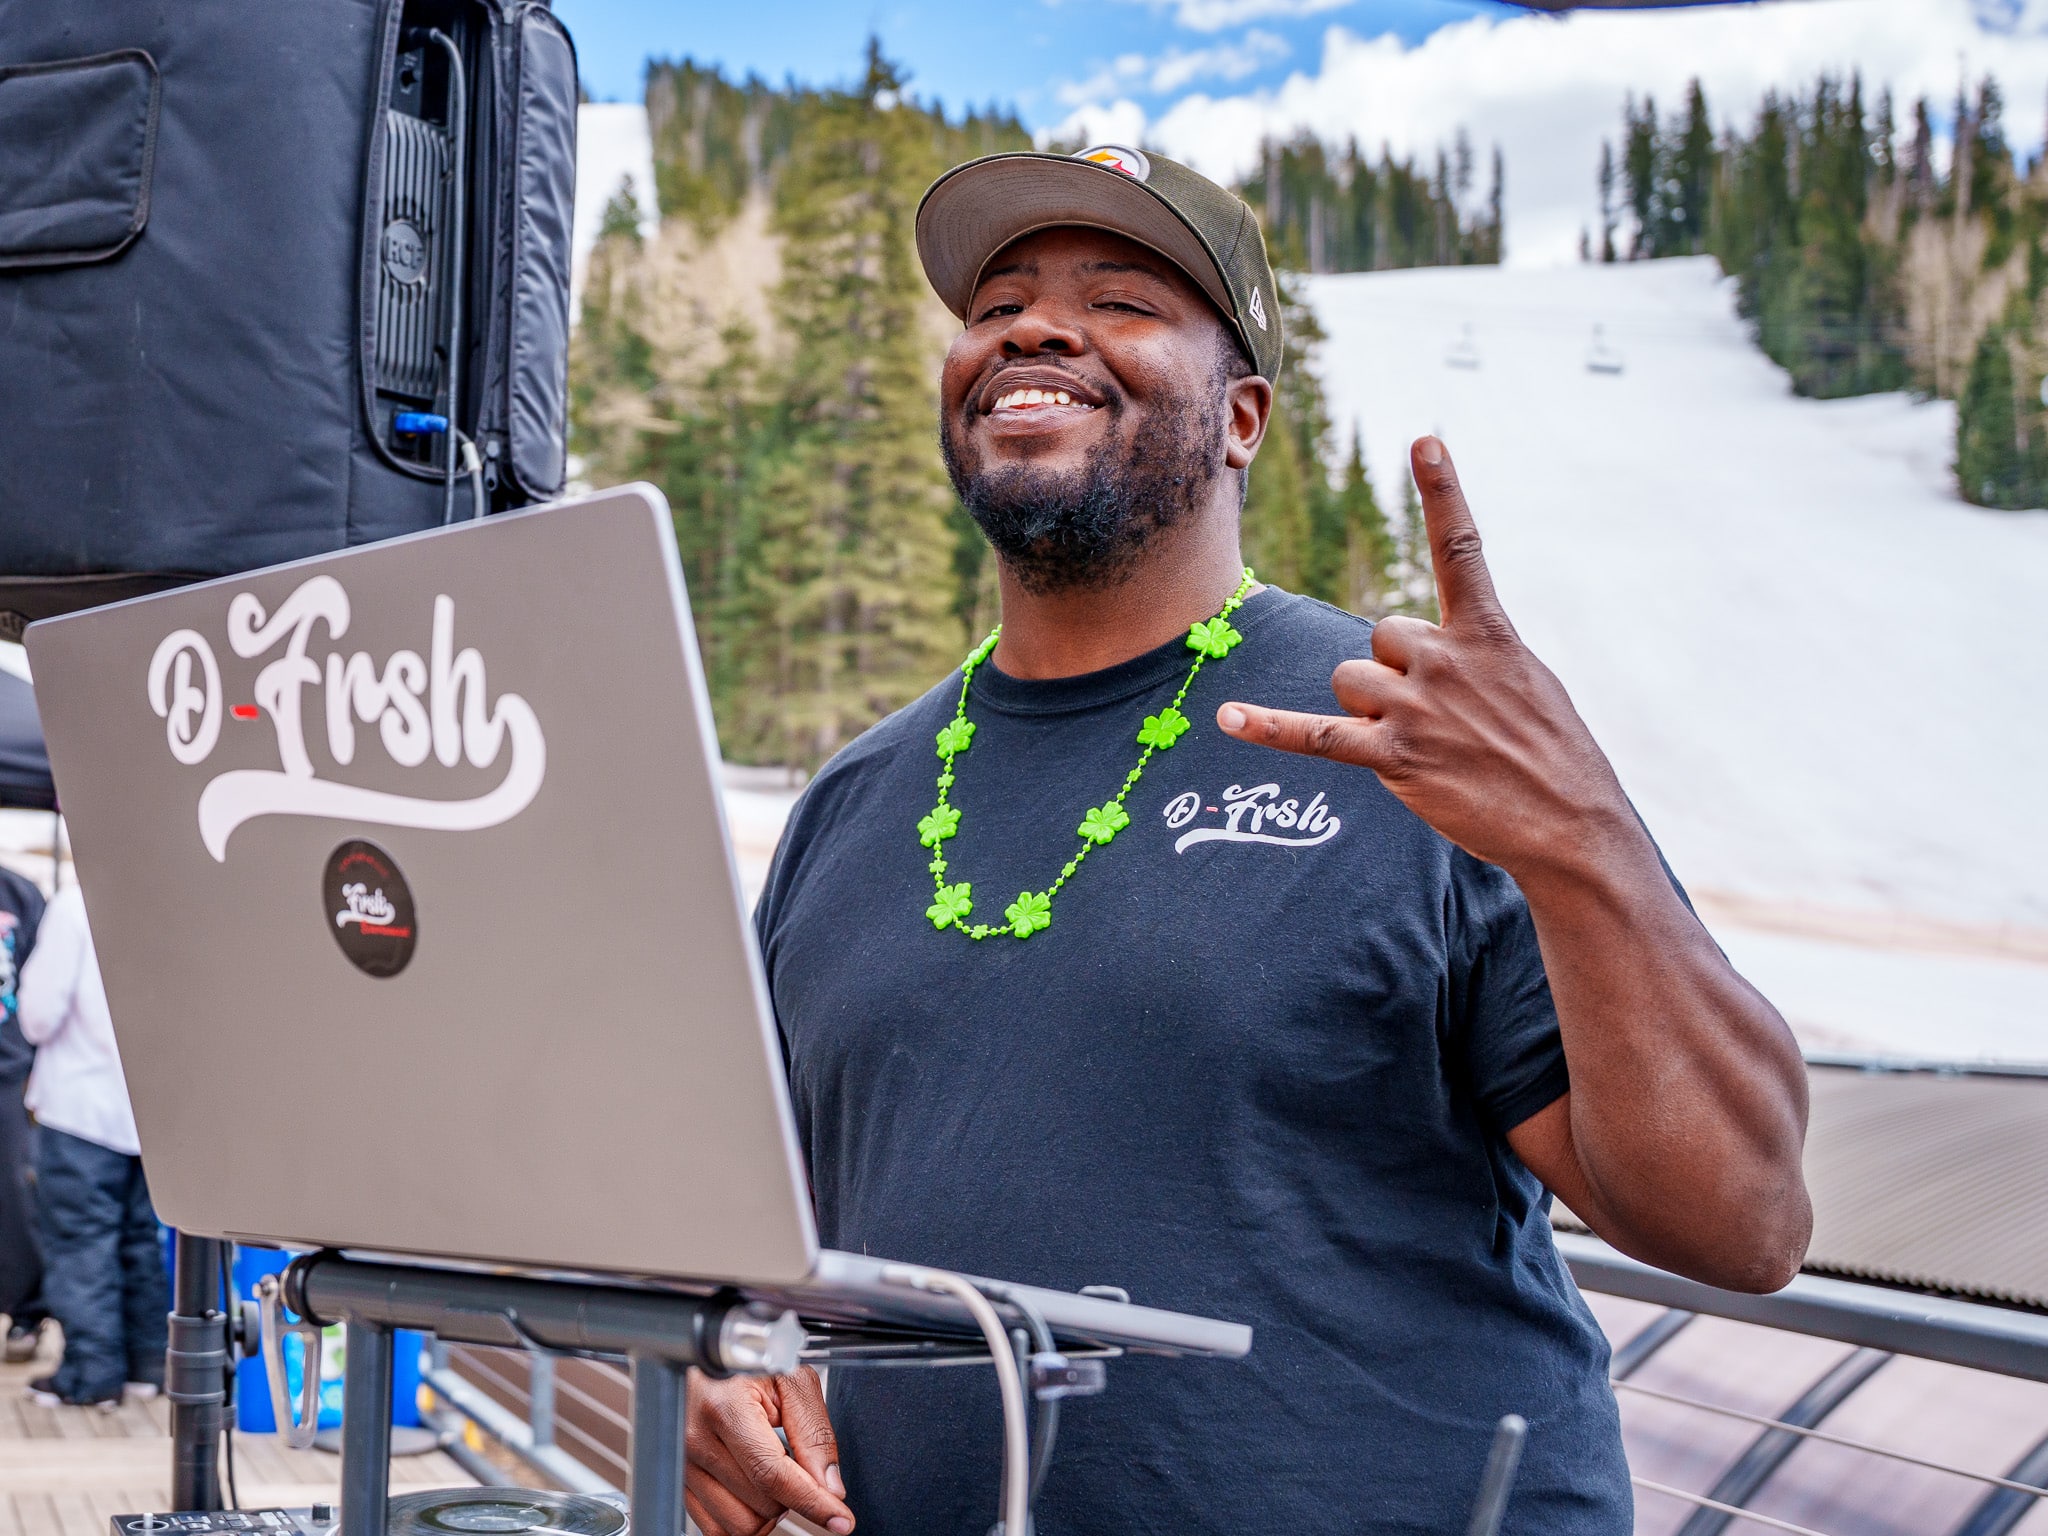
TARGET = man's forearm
(1687,1114)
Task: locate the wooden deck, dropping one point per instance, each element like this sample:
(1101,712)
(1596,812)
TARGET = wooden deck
(65,1471)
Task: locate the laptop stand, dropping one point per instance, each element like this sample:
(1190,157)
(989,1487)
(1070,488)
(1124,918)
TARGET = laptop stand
(662,1333)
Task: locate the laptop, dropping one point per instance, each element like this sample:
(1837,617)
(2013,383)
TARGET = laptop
(421,927)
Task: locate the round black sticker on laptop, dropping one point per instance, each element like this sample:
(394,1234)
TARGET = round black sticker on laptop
(369,908)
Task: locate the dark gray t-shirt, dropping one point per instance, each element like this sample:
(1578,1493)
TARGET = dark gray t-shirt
(1259,1068)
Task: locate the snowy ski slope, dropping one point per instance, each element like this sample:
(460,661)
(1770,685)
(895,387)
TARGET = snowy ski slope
(1823,677)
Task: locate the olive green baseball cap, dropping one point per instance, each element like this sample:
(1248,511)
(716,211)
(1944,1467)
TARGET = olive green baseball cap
(1209,232)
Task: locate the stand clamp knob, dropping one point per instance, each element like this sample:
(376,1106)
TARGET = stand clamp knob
(758,1341)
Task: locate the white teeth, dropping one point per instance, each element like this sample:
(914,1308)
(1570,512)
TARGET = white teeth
(1018,398)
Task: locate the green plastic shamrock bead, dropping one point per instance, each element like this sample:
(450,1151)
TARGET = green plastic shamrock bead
(1031,911)
(1163,729)
(1213,637)
(1104,822)
(938,825)
(956,737)
(951,905)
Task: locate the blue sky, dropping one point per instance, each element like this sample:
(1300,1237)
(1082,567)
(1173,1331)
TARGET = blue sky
(1036,55)
(1206,80)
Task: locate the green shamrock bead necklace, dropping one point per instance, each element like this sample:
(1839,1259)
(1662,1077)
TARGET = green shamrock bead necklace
(1031,912)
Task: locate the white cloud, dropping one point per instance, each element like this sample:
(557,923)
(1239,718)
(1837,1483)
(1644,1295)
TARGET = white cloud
(1226,61)
(1106,122)
(1176,69)
(1547,90)
(1115,76)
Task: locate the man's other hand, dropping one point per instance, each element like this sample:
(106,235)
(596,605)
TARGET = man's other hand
(1460,720)
(741,1481)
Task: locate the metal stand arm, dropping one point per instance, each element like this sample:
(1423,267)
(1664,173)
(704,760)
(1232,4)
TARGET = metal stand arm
(721,1332)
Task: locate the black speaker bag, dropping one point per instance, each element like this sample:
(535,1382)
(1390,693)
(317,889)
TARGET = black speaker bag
(191,200)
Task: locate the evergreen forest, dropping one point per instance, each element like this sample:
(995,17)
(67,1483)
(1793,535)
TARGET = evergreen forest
(1327,210)
(770,360)
(1863,258)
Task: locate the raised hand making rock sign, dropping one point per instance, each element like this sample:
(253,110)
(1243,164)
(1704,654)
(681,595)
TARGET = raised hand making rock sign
(1683,1078)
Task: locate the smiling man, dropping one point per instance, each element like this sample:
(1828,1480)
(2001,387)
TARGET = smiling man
(1081,981)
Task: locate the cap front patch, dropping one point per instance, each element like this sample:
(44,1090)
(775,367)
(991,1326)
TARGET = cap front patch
(1130,161)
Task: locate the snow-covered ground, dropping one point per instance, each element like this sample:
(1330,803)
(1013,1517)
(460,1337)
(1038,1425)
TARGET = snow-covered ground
(1823,678)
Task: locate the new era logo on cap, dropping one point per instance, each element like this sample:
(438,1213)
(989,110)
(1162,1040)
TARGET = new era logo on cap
(1130,161)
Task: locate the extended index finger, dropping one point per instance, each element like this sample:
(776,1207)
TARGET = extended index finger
(1464,586)
(1342,738)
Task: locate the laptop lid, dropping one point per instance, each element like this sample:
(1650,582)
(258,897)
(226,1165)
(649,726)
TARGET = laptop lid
(413,897)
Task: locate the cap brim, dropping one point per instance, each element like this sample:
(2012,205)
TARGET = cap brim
(975,210)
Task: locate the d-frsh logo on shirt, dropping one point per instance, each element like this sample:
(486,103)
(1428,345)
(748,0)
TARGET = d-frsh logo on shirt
(1247,815)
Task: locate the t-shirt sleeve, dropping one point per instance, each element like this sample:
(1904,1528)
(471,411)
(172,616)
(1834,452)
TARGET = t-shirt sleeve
(1501,999)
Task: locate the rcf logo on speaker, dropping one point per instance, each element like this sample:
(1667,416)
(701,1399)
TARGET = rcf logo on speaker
(433,706)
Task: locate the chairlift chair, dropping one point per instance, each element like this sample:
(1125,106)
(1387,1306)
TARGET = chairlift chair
(1600,357)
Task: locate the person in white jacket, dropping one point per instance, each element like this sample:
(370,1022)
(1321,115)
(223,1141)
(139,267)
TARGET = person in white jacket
(103,1268)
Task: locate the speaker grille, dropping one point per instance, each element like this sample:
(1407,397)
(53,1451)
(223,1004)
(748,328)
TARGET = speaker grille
(410,318)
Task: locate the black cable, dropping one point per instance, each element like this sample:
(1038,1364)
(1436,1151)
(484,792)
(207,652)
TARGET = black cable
(231,1309)
(458,127)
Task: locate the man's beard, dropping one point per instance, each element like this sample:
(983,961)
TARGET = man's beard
(1058,530)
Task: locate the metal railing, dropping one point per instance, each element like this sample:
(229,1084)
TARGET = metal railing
(2004,1340)
(534,1437)
(1877,1321)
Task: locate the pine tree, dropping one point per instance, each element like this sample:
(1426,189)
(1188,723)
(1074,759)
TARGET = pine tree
(1495,248)
(1609,215)
(1791,223)
(1639,173)
(1920,173)
(1417,577)
(1884,140)
(1294,532)
(832,574)
(1691,178)
(1370,556)
(857,518)
(1277,528)
(2001,445)
(621,213)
